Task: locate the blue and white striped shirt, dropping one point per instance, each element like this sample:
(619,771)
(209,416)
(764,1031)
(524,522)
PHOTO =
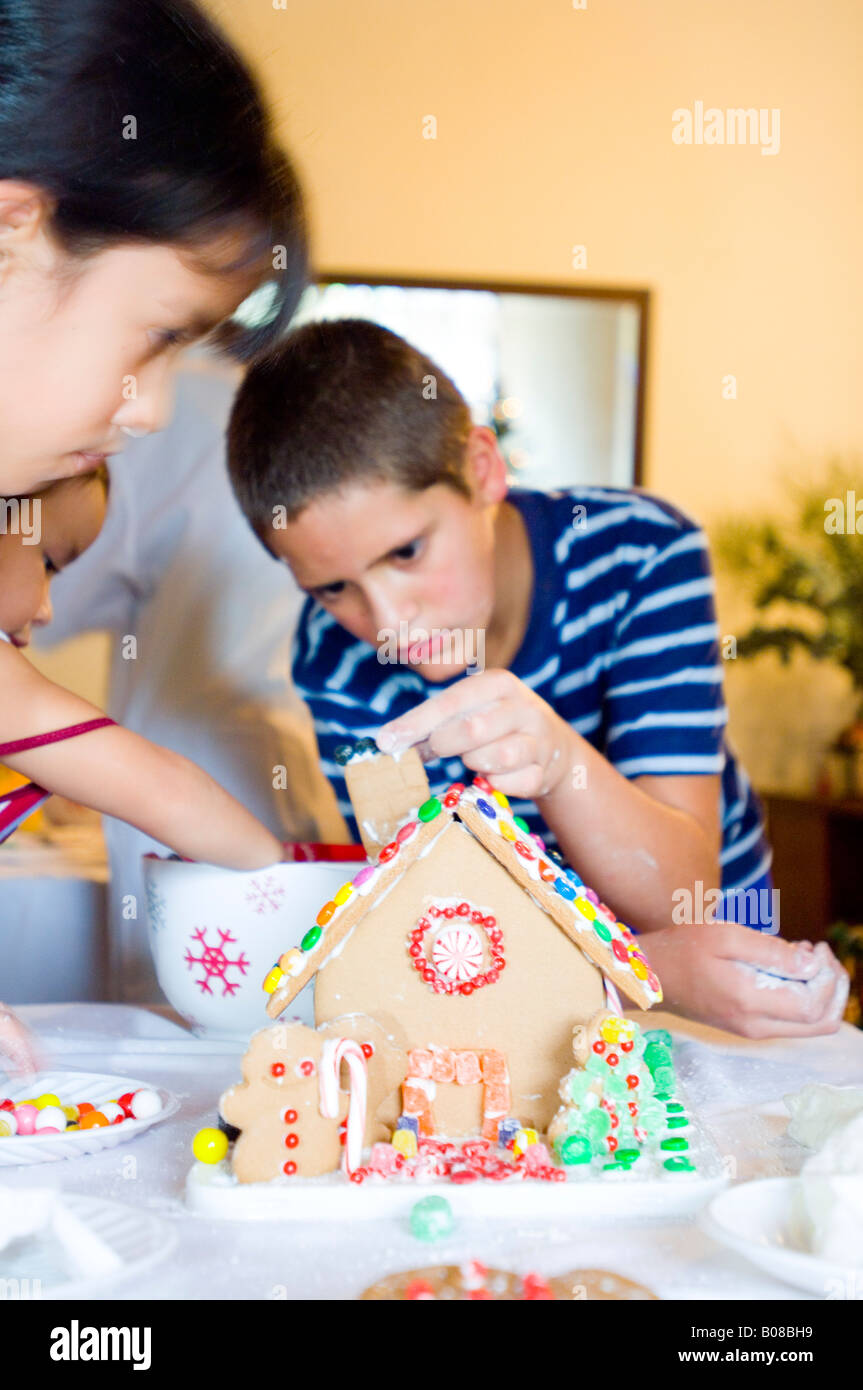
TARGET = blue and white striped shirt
(622,641)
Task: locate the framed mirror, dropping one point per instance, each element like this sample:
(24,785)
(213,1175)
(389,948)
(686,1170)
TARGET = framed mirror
(559,373)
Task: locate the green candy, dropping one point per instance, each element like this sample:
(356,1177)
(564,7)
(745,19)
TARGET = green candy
(627,1155)
(663,1079)
(662,1095)
(674,1107)
(601,930)
(680,1164)
(521,823)
(677,1122)
(574,1148)
(658,1035)
(311,939)
(432,1219)
(655,1055)
(429,809)
(675,1143)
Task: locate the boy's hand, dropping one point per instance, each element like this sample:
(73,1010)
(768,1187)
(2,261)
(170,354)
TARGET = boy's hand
(497,726)
(717,974)
(17,1044)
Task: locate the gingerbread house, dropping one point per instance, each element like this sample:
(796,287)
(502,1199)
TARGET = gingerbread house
(463,936)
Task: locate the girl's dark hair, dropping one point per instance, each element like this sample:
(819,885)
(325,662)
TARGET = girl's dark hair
(338,402)
(142,123)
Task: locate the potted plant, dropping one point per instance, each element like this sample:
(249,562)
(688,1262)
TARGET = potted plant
(812,567)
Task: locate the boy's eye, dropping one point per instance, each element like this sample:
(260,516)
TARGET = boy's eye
(50,567)
(330,591)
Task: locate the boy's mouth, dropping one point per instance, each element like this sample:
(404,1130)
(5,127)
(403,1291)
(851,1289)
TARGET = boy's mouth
(425,650)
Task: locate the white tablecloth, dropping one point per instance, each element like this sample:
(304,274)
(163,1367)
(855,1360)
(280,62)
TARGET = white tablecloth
(734,1085)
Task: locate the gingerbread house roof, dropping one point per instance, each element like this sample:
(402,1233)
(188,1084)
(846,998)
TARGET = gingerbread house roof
(485,813)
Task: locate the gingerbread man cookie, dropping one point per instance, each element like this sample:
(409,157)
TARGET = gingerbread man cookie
(291,1104)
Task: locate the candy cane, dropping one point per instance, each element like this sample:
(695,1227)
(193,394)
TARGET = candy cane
(334,1052)
(612,998)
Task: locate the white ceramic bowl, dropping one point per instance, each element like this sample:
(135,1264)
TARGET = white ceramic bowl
(215,934)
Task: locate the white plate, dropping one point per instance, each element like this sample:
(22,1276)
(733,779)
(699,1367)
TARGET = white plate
(138,1238)
(588,1194)
(71,1087)
(756,1220)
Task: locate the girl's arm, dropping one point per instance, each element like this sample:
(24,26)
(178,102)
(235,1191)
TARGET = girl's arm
(122,774)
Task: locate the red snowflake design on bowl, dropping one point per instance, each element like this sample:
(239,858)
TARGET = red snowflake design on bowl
(457,948)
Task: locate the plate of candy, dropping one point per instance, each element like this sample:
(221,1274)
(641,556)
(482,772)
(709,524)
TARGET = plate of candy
(65,1114)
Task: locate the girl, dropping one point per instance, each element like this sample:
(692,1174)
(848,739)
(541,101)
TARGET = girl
(142,199)
(90,759)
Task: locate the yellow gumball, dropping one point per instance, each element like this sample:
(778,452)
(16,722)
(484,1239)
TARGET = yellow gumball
(48,1099)
(210,1145)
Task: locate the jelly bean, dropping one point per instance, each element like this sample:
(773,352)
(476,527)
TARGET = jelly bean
(388,852)
(311,939)
(565,889)
(677,1122)
(507,831)
(26,1115)
(343,894)
(325,914)
(146,1104)
(41,1102)
(601,930)
(675,1143)
(486,808)
(674,1107)
(483,784)
(50,1117)
(210,1145)
(273,980)
(500,799)
(679,1164)
(405,833)
(430,809)
(291,962)
(431,1219)
(94,1119)
(586,908)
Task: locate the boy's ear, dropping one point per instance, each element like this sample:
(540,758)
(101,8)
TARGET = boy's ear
(486,466)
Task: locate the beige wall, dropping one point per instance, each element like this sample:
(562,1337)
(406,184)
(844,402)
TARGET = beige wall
(554,129)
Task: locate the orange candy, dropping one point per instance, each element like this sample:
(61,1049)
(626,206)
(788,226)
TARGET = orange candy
(94,1119)
(84,1108)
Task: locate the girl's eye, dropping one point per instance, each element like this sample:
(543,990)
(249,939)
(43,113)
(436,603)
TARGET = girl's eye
(50,567)
(408,552)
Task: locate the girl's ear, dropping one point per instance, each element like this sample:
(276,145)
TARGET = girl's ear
(486,465)
(25,215)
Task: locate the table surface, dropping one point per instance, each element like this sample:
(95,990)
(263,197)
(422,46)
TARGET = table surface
(734,1085)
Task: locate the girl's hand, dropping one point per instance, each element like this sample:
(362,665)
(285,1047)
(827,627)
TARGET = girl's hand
(497,726)
(17,1044)
(716,974)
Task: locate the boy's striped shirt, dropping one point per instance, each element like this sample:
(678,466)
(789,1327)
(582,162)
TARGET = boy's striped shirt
(622,641)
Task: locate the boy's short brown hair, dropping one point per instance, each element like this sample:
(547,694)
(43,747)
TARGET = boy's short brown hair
(342,401)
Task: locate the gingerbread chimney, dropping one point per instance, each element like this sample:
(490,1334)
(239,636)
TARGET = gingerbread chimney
(383,791)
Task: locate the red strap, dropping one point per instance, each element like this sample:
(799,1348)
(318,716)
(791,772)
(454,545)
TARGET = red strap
(57,736)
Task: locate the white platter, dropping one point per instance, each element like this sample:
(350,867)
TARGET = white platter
(212,1191)
(72,1087)
(138,1239)
(756,1220)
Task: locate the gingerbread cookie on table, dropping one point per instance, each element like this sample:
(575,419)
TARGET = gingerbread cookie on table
(473,1282)
(291,1106)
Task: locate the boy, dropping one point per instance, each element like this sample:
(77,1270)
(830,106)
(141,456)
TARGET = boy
(598,707)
